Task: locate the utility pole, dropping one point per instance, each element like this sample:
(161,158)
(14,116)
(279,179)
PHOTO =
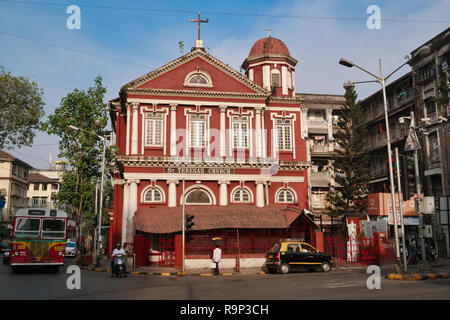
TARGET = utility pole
(419,194)
(401,216)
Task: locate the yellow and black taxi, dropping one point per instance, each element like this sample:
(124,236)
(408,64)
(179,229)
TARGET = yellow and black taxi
(292,254)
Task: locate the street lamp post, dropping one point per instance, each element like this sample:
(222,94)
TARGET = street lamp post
(103,138)
(382,81)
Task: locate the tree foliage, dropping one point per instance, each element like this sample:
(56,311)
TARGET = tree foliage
(21,108)
(351,163)
(82,148)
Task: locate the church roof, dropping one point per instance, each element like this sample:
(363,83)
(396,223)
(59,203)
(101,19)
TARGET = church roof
(168,220)
(269,45)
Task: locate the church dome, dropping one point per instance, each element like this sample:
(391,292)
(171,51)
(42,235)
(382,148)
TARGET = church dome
(267,46)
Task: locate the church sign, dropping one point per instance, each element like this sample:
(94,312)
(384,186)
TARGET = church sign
(198,170)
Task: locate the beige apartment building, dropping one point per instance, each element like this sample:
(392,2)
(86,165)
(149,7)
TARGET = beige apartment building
(319,124)
(43,183)
(13,184)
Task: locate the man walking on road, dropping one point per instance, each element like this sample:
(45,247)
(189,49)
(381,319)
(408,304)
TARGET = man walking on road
(217,255)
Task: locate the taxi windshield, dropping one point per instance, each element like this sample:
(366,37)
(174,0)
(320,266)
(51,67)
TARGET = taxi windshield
(275,247)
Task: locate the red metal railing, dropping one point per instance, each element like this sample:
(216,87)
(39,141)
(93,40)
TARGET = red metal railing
(346,250)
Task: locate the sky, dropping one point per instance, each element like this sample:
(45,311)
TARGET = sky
(123,40)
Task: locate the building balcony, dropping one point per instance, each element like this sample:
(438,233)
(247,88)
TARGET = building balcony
(318,201)
(320,179)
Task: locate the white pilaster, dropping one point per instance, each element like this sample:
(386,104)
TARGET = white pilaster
(250,74)
(284,83)
(259,194)
(223,199)
(172,201)
(134,133)
(258,131)
(126,206)
(293,83)
(128,129)
(266,77)
(173,130)
(132,210)
(329,118)
(222,109)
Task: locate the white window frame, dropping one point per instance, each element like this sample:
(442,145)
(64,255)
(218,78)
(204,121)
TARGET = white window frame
(201,73)
(154,117)
(281,129)
(197,139)
(284,191)
(151,188)
(241,136)
(240,190)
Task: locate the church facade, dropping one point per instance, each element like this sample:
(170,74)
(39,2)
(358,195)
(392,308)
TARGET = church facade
(233,139)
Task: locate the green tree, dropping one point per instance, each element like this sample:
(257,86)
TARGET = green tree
(86,110)
(21,108)
(350,163)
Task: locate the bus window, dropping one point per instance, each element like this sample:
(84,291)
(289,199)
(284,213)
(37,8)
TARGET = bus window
(53,228)
(27,228)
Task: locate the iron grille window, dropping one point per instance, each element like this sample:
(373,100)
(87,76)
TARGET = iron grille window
(198,79)
(153,129)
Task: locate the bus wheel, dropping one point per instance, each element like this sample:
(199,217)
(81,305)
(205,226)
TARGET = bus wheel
(15,269)
(55,269)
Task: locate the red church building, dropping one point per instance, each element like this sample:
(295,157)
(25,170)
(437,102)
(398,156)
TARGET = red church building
(236,140)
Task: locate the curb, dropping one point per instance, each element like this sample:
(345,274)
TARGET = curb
(418,276)
(167,274)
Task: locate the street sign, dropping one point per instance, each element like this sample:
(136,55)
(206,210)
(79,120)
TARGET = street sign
(412,142)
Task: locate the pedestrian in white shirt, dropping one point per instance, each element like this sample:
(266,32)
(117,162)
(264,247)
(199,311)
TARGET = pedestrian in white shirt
(217,255)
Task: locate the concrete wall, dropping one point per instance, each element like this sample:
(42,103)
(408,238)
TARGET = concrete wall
(225,263)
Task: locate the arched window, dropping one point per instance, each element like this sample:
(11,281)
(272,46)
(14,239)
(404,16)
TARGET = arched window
(275,78)
(285,196)
(198,196)
(153,195)
(241,195)
(198,78)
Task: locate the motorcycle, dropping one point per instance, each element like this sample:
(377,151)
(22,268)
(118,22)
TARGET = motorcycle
(119,266)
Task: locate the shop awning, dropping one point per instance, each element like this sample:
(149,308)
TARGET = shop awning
(161,220)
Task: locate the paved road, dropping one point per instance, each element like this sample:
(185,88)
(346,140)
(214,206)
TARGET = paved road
(342,284)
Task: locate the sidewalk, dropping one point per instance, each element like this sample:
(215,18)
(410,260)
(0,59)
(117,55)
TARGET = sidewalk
(440,269)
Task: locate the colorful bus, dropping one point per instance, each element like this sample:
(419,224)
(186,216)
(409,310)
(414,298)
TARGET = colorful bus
(38,238)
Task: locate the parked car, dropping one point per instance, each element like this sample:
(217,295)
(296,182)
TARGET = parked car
(291,254)
(6,255)
(71,249)
(4,245)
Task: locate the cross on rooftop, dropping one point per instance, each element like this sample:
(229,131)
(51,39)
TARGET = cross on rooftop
(268,31)
(199,21)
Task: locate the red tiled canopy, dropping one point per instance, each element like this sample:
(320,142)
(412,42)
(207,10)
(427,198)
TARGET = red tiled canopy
(161,220)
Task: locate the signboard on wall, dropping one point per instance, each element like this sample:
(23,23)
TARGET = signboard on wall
(198,170)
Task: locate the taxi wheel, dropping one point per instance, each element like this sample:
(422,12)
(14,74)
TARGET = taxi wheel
(284,268)
(325,267)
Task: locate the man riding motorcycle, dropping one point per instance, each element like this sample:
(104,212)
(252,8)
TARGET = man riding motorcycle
(118,251)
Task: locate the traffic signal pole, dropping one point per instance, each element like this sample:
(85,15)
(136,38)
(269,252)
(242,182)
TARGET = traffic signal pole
(184,225)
